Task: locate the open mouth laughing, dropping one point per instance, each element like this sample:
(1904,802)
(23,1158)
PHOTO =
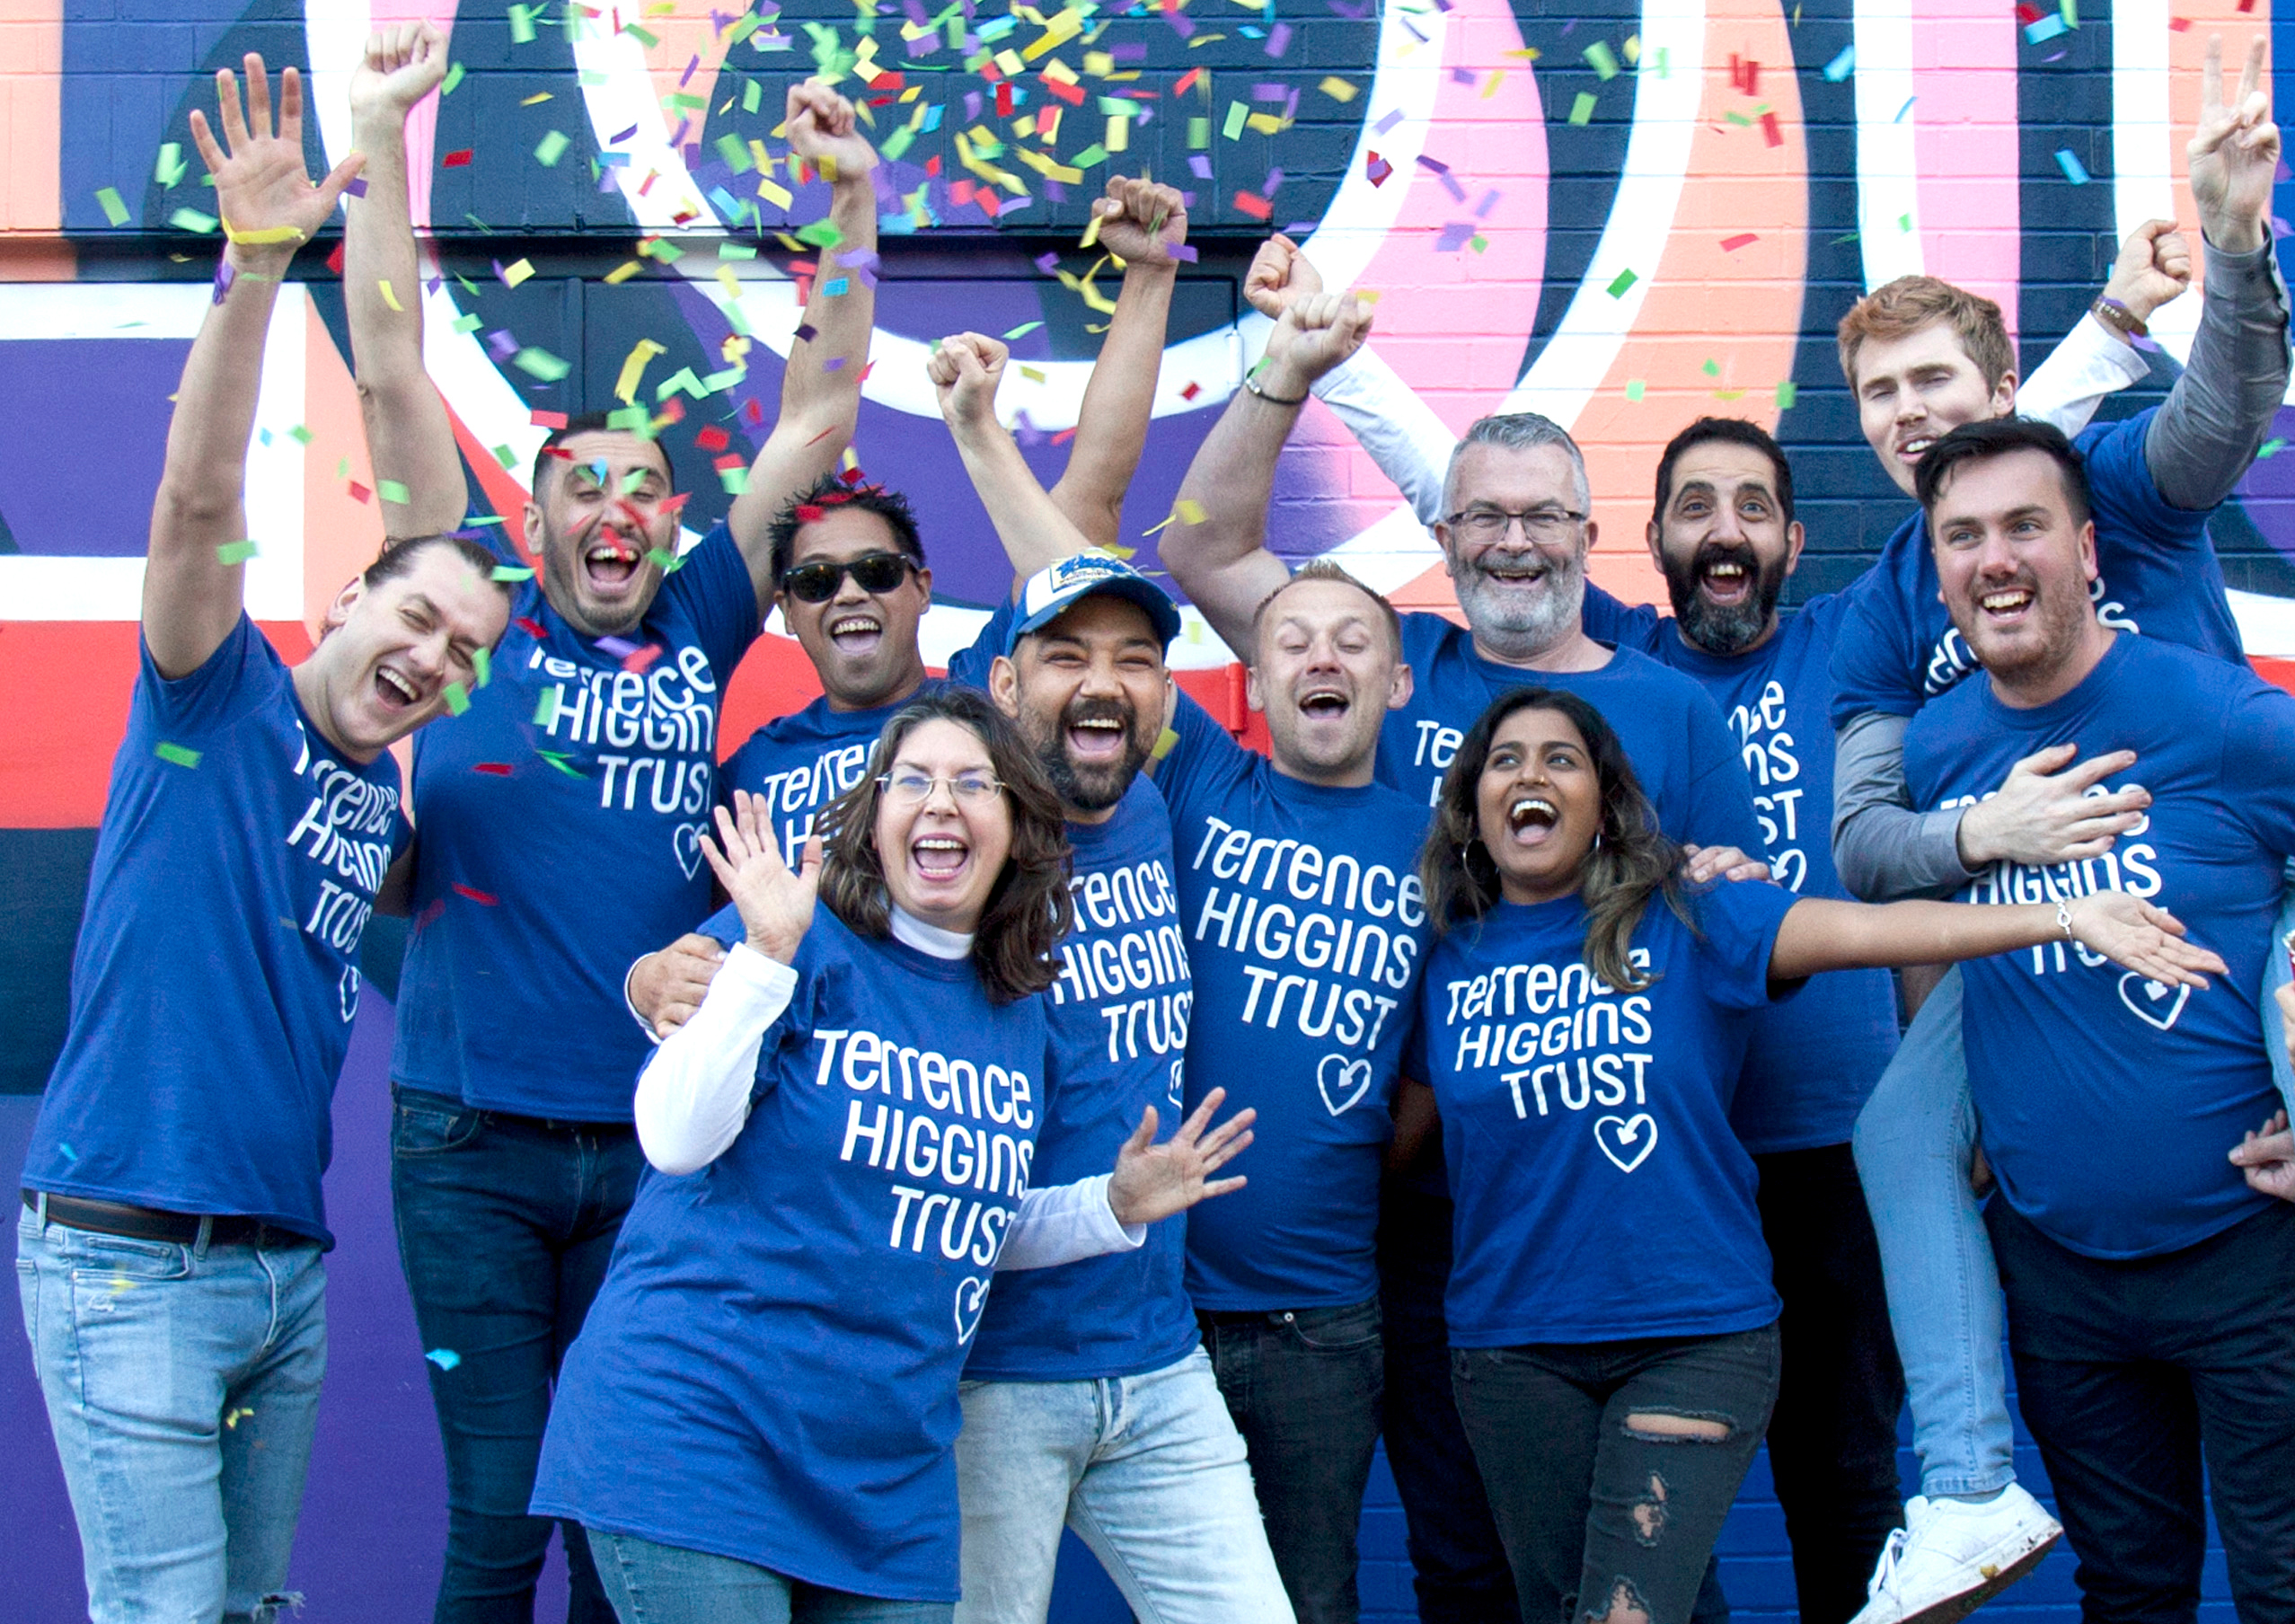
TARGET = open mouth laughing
(1530,820)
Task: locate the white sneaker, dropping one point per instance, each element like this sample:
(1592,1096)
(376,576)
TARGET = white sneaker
(1953,1556)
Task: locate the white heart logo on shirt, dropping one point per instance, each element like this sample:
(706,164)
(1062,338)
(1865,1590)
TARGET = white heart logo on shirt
(2150,1000)
(1343,1082)
(685,840)
(972,1296)
(1640,1130)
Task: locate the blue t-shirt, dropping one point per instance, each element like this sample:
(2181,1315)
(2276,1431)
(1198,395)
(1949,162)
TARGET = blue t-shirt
(1303,912)
(1601,1193)
(801,761)
(2157,574)
(1671,730)
(1813,1062)
(2108,1102)
(216,974)
(770,1372)
(559,828)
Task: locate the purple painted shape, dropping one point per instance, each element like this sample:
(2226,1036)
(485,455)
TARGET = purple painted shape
(85,424)
(2267,493)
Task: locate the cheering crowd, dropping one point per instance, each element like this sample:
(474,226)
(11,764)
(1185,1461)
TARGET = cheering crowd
(994,1104)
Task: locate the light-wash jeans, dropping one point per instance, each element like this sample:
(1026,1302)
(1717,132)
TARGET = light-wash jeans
(1150,1472)
(182,1388)
(1914,1140)
(651,1583)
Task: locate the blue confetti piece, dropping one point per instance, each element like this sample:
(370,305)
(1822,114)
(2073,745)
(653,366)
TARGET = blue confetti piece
(1907,108)
(2047,28)
(445,1358)
(2073,170)
(1842,65)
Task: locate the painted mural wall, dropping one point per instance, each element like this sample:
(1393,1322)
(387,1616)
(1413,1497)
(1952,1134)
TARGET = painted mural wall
(1621,215)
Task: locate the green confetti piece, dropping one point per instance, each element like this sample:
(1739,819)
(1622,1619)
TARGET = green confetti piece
(821,233)
(735,481)
(176,753)
(512,572)
(637,419)
(640,35)
(1022,331)
(469,323)
(1904,222)
(1094,154)
(481,661)
(893,145)
(114,210)
(736,250)
(541,364)
(1787,392)
(192,219)
(454,77)
(751,93)
(1581,109)
(235,552)
(1479,243)
(505,457)
(551,148)
(521,24)
(1712,368)
(393,492)
(171,166)
(1619,283)
(736,153)
(1199,133)
(545,712)
(300,434)
(558,759)
(457,698)
(1636,388)
(2269,448)
(1237,111)
(342,468)
(669,563)
(1602,59)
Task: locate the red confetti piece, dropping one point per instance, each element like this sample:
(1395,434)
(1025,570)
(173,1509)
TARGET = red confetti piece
(1770,132)
(673,411)
(532,628)
(455,160)
(932,165)
(1732,245)
(498,769)
(1258,208)
(754,410)
(806,512)
(484,898)
(712,439)
(359,492)
(547,419)
(645,656)
(732,459)
(334,260)
(960,192)
(1186,80)
(1004,99)
(1073,94)
(1063,436)
(1191,391)
(851,476)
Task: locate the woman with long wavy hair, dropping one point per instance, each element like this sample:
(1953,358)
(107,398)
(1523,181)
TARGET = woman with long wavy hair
(1582,1022)
(757,1421)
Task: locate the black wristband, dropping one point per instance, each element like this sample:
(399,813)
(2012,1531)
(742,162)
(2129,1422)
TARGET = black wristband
(1251,383)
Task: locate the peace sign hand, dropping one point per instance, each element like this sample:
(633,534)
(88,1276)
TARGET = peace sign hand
(776,905)
(268,204)
(2234,152)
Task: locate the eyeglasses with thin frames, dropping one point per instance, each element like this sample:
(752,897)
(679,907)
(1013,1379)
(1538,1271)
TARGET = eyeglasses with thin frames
(905,786)
(1491,525)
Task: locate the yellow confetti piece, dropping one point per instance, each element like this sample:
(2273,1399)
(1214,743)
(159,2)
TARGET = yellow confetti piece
(1092,233)
(389,298)
(264,237)
(773,192)
(1490,85)
(1267,124)
(1032,374)
(1189,512)
(622,272)
(1338,89)
(535,100)
(1119,135)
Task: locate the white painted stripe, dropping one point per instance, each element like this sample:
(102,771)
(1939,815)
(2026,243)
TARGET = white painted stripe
(1578,358)
(1888,164)
(42,311)
(35,587)
(2143,182)
(2266,623)
(274,492)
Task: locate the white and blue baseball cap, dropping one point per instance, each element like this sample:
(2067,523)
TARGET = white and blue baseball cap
(1051,592)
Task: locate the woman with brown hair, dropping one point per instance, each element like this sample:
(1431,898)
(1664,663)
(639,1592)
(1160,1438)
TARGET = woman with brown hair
(1582,1023)
(756,1423)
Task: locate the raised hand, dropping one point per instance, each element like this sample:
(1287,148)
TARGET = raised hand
(823,132)
(260,185)
(1314,334)
(2153,267)
(2234,152)
(2267,1157)
(2148,941)
(402,64)
(1280,276)
(1153,1181)
(776,905)
(1140,221)
(966,371)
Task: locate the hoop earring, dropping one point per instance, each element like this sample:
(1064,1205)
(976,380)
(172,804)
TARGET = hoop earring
(1597,840)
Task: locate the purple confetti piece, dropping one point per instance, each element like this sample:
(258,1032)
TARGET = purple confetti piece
(1047,262)
(1450,185)
(354,188)
(1188,199)
(1268,92)
(1490,201)
(915,10)
(1386,123)
(859,259)
(691,68)
(434,284)
(624,136)
(1301,228)
(1278,39)
(718,20)
(2280,228)
(1025,430)
(498,272)
(1133,53)
(618,646)
(1461,76)
(1055,190)
(1199,166)
(1354,12)
(1181,24)
(1186,253)
(608,176)
(1442,5)
(1454,237)
(1412,32)
(1567,26)
(1291,107)
(1145,117)
(971,105)
(833,364)
(692,149)
(1274,183)
(807,332)
(503,343)
(2058,57)
(224,278)
(678,135)
(2284,173)
(1437,164)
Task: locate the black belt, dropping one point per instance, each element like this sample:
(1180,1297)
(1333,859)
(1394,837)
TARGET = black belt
(150,1223)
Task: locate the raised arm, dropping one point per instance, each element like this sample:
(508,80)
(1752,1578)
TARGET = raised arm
(2095,360)
(820,387)
(194,581)
(2215,419)
(409,435)
(1037,532)
(1819,934)
(1140,223)
(1221,559)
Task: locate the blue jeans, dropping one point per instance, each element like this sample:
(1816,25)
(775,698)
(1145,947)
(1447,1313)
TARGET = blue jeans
(1914,1140)
(1148,1469)
(506,1224)
(182,1388)
(651,1584)
(1304,1386)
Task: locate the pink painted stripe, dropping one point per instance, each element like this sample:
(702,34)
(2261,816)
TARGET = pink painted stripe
(422,123)
(1968,146)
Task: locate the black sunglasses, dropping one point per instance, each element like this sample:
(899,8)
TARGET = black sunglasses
(872,572)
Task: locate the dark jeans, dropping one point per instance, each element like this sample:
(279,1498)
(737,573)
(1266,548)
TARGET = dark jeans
(1303,1386)
(504,1227)
(1832,1440)
(1602,1521)
(2131,1374)
(1458,1565)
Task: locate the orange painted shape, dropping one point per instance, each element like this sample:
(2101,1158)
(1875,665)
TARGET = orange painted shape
(31,115)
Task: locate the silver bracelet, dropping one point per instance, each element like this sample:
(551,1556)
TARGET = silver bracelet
(2064,919)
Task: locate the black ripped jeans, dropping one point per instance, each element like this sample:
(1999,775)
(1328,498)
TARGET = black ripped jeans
(1601,1521)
